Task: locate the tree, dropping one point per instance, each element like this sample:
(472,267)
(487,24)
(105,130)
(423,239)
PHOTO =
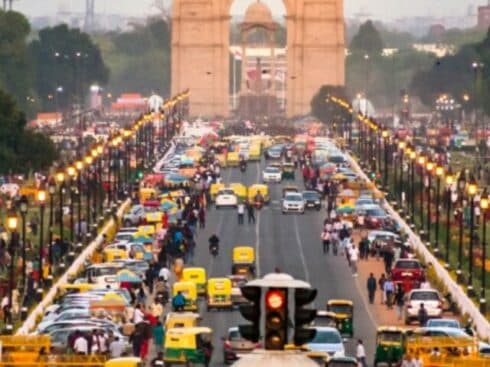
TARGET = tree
(21,148)
(68,58)
(323,108)
(15,68)
(367,40)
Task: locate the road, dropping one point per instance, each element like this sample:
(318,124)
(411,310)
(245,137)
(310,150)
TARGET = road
(289,242)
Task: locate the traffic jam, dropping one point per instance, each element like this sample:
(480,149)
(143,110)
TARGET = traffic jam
(143,298)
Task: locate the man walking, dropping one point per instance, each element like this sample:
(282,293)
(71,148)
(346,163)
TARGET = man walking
(353,258)
(361,354)
(241,213)
(250,213)
(371,287)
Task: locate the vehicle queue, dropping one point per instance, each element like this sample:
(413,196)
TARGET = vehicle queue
(117,302)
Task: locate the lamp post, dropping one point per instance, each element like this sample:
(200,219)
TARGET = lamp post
(12,224)
(413,157)
(71,171)
(41,200)
(52,193)
(429,167)
(385,134)
(402,146)
(60,178)
(421,162)
(439,172)
(449,183)
(88,182)
(472,190)
(24,207)
(461,189)
(79,168)
(484,207)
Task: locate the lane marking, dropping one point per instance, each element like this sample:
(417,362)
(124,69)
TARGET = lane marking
(300,248)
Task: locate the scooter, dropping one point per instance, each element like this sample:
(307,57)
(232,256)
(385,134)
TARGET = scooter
(243,166)
(258,204)
(214,250)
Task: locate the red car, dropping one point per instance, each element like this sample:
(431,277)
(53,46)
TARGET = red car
(408,272)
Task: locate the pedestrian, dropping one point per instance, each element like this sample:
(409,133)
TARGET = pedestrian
(116,348)
(178,302)
(347,244)
(381,284)
(422,315)
(361,354)
(406,361)
(80,345)
(371,287)
(388,256)
(364,247)
(250,213)
(399,300)
(416,361)
(158,333)
(389,288)
(326,241)
(241,213)
(202,217)
(353,259)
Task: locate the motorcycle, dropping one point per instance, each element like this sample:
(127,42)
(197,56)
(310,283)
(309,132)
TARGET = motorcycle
(258,204)
(243,166)
(214,250)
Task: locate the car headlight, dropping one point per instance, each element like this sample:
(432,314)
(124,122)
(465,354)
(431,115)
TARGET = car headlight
(317,201)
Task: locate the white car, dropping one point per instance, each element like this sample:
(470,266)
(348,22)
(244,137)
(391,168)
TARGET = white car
(429,297)
(226,197)
(327,340)
(293,202)
(271,174)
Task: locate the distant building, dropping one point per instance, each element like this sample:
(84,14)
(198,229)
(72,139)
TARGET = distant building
(436,31)
(484,16)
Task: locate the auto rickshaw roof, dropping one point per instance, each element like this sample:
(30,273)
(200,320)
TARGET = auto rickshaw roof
(391,329)
(190,330)
(343,359)
(340,302)
(195,269)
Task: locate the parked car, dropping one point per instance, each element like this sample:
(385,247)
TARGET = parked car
(429,297)
(312,199)
(410,270)
(226,197)
(293,202)
(235,346)
(327,340)
(271,174)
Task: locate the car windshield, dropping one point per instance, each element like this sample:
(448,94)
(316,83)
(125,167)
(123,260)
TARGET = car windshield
(443,323)
(234,335)
(390,336)
(272,170)
(103,271)
(341,309)
(424,296)
(294,197)
(407,264)
(376,212)
(326,337)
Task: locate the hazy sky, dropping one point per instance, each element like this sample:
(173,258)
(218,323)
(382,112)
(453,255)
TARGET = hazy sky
(379,9)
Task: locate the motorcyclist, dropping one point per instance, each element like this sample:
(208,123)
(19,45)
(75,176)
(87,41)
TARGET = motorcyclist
(213,243)
(243,163)
(258,197)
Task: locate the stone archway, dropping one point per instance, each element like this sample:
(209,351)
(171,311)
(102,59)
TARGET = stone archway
(200,52)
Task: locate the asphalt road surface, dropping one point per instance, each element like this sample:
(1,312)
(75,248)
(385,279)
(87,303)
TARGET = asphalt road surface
(290,242)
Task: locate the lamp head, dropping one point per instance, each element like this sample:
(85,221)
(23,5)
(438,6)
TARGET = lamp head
(439,171)
(430,166)
(60,177)
(41,196)
(79,165)
(12,221)
(71,171)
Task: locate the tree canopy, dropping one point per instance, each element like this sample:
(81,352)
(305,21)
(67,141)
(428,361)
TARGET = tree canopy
(67,58)
(21,148)
(367,40)
(324,109)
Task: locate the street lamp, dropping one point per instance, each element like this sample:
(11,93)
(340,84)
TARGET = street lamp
(88,162)
(461,190)
(12,224)
(402,146)
(385,134)
(24,207)
(41,200)
(60,178)
(429,167)
(79,168)
(52,193)
(449,183)
(71,170)
(421,162)
(413,157)
(472,190)
(484,207)
(439,173)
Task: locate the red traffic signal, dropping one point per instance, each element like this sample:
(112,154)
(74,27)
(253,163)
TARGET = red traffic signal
(276,319)
(275,299)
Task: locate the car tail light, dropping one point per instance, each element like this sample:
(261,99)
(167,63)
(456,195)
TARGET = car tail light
(227,345)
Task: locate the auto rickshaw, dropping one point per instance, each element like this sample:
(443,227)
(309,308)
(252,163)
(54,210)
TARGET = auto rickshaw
(189,291)
(185,345)
(390,345)
(254,189)
(243,261)
(341,362)
(147,194)
(325,318)
(197,276)
(254,152)
(288,189)
(111,254)
(288,171)
(344,315)
(145,231)
(124,362)
(23,350)
(232,159)
(219,293)
(182,319)
(70,288)
(214,188)
(240,190)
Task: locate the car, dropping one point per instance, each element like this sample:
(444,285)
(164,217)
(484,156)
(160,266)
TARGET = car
(135,215)
(271,174)
(237,281)
(374,215)
(408,270)
(312,199)
(274,152)
(59,337)
(293,202)
(448,323)
(441,331)
(225,197)
(234,345)
(94,322)
(71,314)
(327,340)
(429,297)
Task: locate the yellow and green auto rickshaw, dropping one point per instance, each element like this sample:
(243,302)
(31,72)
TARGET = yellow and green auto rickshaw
(243,262)
(288,171)
(214,188)
(233,159)
(258,188)
(198,277)
(219,293)
(189,291)
(390,345)
(111,254)
(344,315)
(182,320)
(185,345)
(239,189)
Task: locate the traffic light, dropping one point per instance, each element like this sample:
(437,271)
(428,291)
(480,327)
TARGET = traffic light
(140,174)
(251,312)
(276,318)
(303,316)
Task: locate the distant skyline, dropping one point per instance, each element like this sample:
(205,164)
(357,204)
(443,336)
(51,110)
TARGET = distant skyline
(384,10)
